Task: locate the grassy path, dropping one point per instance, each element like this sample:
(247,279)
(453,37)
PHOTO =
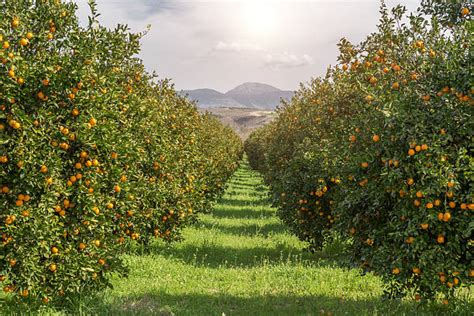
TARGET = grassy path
(240,260)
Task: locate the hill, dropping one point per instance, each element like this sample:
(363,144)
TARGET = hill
(248,95)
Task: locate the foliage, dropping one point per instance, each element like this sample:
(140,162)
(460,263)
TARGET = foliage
(95,152)
(380,150)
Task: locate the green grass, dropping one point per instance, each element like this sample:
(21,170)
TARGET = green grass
(240,260)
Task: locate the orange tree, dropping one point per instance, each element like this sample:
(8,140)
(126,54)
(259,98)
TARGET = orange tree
(221,148)
(94,151)
(254,146)
(391,128)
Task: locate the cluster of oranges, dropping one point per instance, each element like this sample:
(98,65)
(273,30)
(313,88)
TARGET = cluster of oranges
(393,124)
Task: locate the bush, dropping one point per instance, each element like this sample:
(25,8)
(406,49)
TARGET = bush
(381,150)
(95,152)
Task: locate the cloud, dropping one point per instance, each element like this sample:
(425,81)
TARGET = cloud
(237,47)
(287,60)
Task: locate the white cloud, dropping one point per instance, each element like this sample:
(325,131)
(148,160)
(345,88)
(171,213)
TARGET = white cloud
(236,46)
(287,60)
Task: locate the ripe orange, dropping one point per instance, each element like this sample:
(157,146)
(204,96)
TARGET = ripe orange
(376,138)
(15,22)
(440,239)
(446,217)
(53,267)
(395,271)
(411,152)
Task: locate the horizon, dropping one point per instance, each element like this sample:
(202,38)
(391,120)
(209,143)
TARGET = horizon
(241,84)
(221,44)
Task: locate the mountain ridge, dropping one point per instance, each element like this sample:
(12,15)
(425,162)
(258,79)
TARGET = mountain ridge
(247,95)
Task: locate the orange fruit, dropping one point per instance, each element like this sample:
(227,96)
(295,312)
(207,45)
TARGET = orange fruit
(15,22)
(425,226)
(446,217)
(53,267)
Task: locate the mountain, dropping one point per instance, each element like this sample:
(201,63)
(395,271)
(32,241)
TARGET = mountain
(247,95)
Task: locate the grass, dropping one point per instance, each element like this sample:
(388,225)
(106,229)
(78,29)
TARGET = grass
(240,260)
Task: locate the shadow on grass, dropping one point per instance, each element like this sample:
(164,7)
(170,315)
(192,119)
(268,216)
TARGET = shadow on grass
(228,201)
(247,230)
(244,212)
(217,302)
(211,255)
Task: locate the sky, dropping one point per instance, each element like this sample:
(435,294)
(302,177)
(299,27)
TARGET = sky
(220,44)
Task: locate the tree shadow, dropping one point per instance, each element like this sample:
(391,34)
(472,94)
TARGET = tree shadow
(218,302)
(243,212)
(211,255)
(264,230)
(226,201)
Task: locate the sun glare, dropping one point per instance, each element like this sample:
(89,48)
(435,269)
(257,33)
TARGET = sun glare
(260,18)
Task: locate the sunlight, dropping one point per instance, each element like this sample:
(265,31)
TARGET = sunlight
(260,18)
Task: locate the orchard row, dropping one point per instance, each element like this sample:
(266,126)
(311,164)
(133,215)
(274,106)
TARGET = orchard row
(380,152)
(96,153)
